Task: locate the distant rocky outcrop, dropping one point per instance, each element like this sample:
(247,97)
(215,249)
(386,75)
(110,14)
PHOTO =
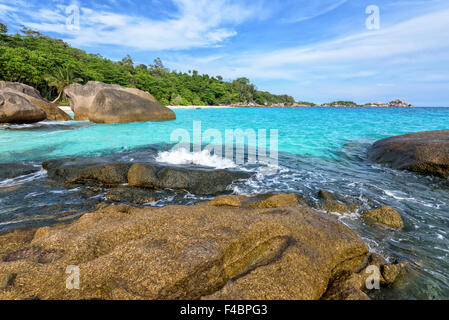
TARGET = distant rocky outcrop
(339,104)
(422,152)
(105,103)
(15,109)
(52,111)
(393,104)
(276,250)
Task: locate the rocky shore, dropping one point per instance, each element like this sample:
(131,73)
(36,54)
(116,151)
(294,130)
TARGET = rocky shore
(272,246)
(265,247)
(393,104)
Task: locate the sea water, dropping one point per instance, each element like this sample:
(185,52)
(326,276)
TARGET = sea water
(318,148)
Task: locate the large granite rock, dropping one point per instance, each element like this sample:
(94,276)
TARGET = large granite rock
(20,88)
(51,110)
(186,252)
(423,152)
(105,103)
(17,110)
(199,181)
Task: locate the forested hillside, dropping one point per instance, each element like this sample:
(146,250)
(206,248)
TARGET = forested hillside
(31,58)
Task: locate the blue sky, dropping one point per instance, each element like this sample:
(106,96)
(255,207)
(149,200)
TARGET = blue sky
(314,50)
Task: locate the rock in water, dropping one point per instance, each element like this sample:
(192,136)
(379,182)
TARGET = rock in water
(334,203)
(51,110)
(386,216)
(16,109)
(184,252)
(104,103)
(198,181)
(423,152)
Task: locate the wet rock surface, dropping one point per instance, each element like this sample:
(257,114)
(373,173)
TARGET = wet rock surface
(9,171)
(384,215)
(422,152)
(200,181)
(335,203)
(205,251)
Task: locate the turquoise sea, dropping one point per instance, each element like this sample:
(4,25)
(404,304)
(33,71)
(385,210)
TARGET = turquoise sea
(319,148)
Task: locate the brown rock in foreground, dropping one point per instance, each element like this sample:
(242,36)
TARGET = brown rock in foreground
(182,252)
(422,152)
(105,103)
(51,110)
(386,216)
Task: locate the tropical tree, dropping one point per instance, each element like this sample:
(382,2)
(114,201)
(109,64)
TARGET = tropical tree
(61,78)
(3,28)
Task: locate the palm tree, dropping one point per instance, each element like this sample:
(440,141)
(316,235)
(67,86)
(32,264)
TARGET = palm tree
(61,78)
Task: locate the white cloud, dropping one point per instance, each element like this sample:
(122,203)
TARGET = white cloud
(415,40)
(196,23)
(301,10)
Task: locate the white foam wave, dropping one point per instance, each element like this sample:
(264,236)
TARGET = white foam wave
(203,158)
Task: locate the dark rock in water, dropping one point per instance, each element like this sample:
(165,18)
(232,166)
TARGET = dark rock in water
(334,203)
(105,103)
(17,110)
(143,175)
(13,170)
(422,152)
(386,216)
(84,171)
(135,196)
(198,181)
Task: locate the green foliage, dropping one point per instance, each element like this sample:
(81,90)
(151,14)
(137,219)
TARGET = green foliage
(3,28)
(305,103)
(344,103)
(61,78)
(48,64)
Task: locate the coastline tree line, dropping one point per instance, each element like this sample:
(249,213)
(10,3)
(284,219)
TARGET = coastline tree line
(48,64)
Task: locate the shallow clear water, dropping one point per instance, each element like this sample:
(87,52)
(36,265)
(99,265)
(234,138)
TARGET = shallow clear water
(319,148)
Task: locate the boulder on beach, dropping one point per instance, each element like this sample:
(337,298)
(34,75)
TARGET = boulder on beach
(183,252)
(105,103)
(422,152)
(15,109)
(51,110)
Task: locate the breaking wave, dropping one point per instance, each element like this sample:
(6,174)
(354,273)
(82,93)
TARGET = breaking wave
(204,158)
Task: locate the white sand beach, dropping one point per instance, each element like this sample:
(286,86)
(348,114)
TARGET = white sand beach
(66,109)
